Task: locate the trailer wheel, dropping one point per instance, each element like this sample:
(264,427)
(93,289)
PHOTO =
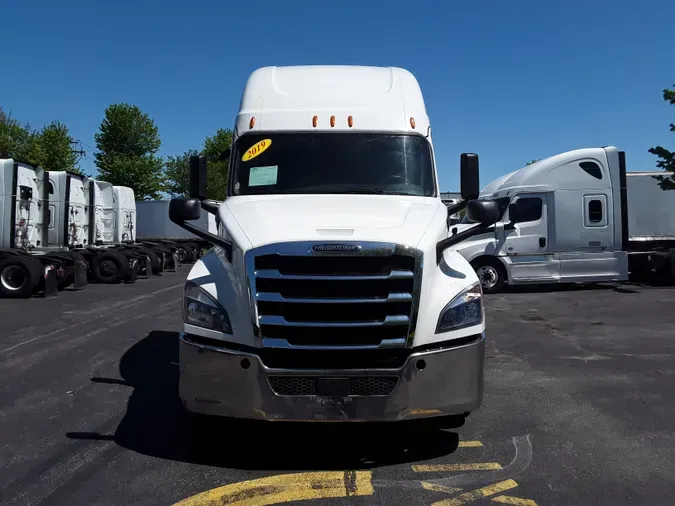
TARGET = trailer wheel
(190,253)
(154,258)
(491,273)
(197,250)
(109,267)
(19,275)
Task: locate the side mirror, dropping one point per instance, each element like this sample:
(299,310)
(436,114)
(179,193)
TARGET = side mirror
(198,177)
(184,210)
(225,155)
(469,176)
(485,212)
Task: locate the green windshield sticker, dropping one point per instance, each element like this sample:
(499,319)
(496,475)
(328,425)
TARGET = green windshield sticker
(263,176)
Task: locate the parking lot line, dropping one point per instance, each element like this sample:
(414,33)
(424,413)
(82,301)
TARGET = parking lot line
(477,466)
(469,444)
(286,488)
(435,487)
(517,501)
(479,493)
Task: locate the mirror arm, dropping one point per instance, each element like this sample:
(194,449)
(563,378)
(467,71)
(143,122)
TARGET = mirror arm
(210,207)
(208,236)
(454,208)
(441,246)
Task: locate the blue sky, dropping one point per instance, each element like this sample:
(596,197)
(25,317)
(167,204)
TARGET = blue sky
(510,81)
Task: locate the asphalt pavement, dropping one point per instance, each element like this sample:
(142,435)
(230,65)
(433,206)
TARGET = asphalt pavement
(579,409)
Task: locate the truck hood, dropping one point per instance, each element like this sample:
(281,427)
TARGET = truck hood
(277,218)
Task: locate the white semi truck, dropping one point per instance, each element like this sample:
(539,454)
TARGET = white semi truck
(331,292)
(29,262)
(576,217)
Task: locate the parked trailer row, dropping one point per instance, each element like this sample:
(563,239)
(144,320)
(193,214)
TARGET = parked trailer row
(59,229)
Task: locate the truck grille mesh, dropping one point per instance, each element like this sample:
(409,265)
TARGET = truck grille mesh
(335,300)
(358,385)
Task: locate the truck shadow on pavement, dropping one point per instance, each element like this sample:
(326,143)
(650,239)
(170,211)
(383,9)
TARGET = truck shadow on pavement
(156,424)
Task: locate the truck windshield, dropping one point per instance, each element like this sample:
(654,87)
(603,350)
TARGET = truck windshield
(368,163)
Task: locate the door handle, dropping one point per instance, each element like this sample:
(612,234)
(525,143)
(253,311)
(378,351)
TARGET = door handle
(542,242)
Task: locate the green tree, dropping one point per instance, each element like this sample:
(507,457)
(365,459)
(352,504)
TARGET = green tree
(177,168)
(666,157)
(127,144)
(532,161)
(56,144)
(176,171)
(19,141)
(217,168)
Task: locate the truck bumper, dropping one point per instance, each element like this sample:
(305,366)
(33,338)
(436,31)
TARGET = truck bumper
(447,380)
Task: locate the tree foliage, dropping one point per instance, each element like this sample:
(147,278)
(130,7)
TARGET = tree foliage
(176,171)
(532,161)
(666,157)
(50,147)
(177,167)
(127,142)
(57,149)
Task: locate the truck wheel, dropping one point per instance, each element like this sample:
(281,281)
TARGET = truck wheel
(491,273)
(19,275)
(109,267)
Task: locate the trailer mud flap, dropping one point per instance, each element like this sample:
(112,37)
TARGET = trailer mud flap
(148,267)
(133,271)
(80,275)
(51,287)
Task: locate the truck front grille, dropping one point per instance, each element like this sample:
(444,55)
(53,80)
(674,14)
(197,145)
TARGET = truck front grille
(362,299)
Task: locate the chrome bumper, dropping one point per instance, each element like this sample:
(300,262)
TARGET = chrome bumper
(447,380)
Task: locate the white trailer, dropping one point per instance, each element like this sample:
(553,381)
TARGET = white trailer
(331,293)
(30,260)
(153,227)
(574,217)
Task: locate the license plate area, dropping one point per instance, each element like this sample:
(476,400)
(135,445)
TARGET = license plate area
(333,387)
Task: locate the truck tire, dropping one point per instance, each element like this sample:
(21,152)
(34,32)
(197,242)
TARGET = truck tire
(491,273)
(109,267)
(154,258)
(19,275)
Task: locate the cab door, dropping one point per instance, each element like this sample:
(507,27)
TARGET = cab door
(527,241)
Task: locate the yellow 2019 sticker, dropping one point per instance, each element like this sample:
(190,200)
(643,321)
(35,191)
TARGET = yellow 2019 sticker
(256,149)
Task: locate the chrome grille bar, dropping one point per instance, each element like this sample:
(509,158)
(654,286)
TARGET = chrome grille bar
(356,295)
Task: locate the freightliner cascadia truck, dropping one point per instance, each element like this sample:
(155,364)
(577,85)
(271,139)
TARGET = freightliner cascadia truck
(331,292)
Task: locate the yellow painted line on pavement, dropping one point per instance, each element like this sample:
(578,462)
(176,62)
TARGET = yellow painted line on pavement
(479,493)
(518,501)
(478,466)
(469,444)
(286,488)
(440,488)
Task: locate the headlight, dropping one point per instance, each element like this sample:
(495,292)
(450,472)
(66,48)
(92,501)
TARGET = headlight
(465,310)
(202,310)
